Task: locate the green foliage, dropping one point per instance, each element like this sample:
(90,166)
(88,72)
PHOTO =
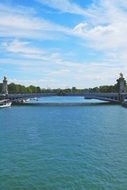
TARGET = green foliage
(17,88)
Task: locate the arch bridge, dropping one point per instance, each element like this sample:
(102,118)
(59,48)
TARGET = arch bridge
(118,97)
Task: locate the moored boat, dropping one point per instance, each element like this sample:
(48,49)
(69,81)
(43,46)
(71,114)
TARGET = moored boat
(5,103)
(124,103)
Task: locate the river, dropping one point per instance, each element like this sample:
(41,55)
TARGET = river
(63,147)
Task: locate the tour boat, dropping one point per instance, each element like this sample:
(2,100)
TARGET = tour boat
(5,103)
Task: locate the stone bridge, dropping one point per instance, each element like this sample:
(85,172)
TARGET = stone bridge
(110,97)
(118,97)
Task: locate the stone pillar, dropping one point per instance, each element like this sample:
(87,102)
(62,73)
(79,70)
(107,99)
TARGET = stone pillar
(121,84)
(5,86)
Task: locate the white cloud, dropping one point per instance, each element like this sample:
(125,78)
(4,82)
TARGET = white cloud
(26,49)
(109,29)
(65,6)
(19,22)
(54,69)
(20,47)
(59,72)
(106,34)
(103,37)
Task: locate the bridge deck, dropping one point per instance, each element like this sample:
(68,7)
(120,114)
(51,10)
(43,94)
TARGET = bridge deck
(110,97)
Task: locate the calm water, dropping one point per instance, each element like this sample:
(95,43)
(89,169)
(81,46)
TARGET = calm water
(57,148)
(65,99)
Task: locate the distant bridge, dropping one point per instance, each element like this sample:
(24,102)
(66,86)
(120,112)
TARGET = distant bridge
(109,97)
(18,97)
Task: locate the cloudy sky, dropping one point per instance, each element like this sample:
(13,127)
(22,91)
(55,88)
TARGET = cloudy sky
(63,43)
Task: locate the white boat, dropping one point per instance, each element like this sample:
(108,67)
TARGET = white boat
(27,100)
(35,99)
(5,103)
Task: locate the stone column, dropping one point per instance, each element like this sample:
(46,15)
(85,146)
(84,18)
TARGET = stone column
(5,86)
(121,84)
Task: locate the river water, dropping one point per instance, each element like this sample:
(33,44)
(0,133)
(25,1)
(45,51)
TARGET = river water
(63,147)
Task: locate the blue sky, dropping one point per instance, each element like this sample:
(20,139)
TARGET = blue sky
(63,43)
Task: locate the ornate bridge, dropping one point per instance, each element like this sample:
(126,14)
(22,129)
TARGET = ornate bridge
(110,97)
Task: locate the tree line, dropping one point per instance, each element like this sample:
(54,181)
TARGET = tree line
(17,88)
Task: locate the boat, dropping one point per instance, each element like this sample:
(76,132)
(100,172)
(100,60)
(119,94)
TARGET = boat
(35,99)
(27,100)
(5,103)
(124,103)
